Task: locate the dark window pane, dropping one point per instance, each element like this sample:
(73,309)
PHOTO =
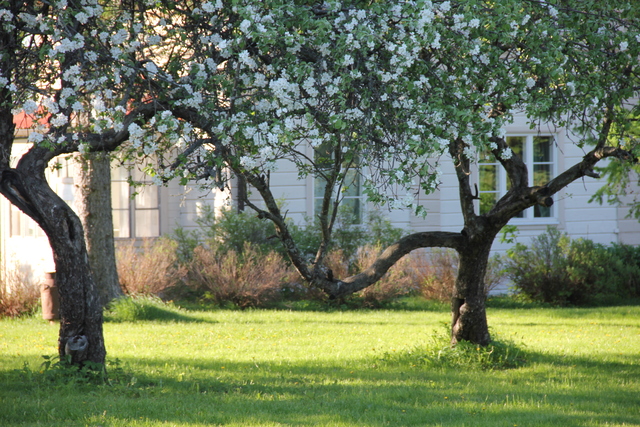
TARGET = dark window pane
(120,195)
(147,197)
(488,178)
(541,174)
(353,210)
(542,149)
(541,212)
(121,223)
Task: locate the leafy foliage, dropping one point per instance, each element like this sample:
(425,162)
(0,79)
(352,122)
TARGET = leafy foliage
(555,269)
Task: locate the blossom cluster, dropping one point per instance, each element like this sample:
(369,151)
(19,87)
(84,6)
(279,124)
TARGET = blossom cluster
(392,83)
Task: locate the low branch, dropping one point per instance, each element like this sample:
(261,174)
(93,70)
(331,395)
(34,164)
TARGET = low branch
(391,255)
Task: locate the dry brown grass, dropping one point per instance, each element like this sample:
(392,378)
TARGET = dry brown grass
(251,279)
(398,281)
(148,269)
(18,294)
(436,273)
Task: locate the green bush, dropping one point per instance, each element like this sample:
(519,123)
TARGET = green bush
(133,309)
(557,270)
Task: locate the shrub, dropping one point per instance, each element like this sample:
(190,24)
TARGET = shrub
(132,309)
(436,272)
(250,279)
(556,270)
(149,269)
(18,294)
(230,230)
(539,271)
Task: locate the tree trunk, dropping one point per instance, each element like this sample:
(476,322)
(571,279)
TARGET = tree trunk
(469,316)
(81,336)
(93,204)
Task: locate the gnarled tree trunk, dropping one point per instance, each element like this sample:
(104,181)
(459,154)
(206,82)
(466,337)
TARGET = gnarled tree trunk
(469,318)
(81,335)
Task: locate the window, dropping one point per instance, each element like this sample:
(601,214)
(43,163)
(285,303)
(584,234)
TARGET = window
(539,155)
(136,211)
(351,192)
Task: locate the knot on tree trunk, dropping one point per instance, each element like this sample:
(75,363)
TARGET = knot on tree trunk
(76,347)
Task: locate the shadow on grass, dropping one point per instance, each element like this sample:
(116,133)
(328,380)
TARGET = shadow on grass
(549,391)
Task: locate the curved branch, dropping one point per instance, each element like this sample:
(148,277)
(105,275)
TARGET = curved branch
(585,167)
(391,255)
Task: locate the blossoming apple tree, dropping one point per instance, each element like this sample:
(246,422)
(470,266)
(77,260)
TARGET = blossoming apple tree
(388,89)
(380,89)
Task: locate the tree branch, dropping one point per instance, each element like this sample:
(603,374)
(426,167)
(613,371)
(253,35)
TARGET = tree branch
(389,257)
(461,164)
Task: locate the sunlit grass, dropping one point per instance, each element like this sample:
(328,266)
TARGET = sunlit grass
(276,368)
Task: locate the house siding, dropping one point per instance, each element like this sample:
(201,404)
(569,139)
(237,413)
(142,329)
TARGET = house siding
(181,206)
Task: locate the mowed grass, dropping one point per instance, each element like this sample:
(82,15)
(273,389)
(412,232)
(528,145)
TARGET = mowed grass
(352,368)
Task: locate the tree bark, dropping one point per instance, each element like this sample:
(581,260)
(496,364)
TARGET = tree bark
(469,318)
(81,337)
(93,204)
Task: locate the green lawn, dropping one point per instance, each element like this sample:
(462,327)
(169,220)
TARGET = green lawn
(276,368)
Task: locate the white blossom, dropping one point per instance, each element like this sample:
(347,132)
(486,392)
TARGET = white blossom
(30,107)
(244,25)
(35,137)
(59,120)
(247,162)
(5,15)
(82,17)
(624,45)
(151,67)
(246,59)
(210,7)
(436,41)
(51,105)
(119,37)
